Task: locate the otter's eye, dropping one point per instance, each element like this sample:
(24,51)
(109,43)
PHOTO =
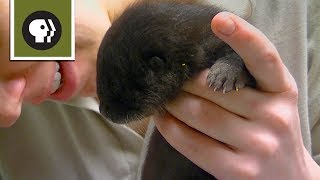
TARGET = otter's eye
(156,62)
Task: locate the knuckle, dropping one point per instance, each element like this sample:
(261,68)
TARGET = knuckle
(279,120)
(269,149)
(293,92)
(270,56)
(248,170)
(256,140)
(198,109)
(248,36)
(266,145)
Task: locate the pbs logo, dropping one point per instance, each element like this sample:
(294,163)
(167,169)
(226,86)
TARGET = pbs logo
(41,30)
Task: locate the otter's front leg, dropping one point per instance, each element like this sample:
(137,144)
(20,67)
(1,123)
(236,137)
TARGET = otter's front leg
(229,73)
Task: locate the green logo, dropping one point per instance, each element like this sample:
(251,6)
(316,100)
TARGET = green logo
(42,30)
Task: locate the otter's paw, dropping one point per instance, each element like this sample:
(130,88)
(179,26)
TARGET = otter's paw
(227,77)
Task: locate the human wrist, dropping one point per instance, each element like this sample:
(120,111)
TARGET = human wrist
(312,166)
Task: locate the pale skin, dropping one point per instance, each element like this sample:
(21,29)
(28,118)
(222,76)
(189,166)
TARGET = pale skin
(250,134)
(26,82)
(29,82)
(278,152)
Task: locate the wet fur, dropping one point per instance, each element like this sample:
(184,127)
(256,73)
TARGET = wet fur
(145,58)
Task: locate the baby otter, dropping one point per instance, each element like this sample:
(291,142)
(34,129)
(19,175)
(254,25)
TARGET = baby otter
(145,58)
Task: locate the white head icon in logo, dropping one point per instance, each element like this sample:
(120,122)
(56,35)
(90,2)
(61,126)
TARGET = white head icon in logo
(39,29)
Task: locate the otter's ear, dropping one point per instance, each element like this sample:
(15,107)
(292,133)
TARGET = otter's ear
(156,62)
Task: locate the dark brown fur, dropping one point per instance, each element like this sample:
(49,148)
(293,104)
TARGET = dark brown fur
(145,58)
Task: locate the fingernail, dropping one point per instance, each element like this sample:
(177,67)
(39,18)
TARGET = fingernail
(227,26)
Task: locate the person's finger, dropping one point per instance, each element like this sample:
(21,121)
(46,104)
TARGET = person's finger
(259,54)
(197,146)
(216,122)
(11,94)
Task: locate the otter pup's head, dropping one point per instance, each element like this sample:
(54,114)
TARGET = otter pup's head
(146,55)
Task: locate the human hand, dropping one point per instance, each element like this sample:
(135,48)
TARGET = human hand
(250,134)
(32,81)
